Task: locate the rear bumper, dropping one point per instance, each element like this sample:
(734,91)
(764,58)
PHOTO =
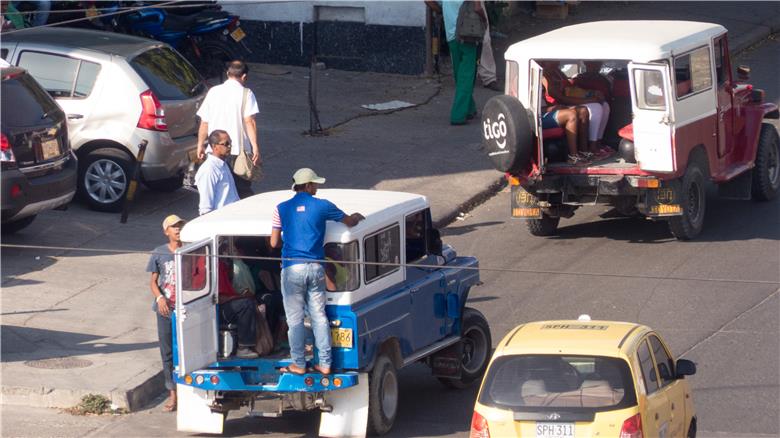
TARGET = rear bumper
(165,157)
(39,193)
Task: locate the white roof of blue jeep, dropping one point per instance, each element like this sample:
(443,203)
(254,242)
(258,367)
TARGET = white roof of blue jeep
(252,216)
(637,40)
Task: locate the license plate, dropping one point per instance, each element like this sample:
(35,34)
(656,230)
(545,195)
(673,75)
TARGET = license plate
(50,149)
(341,338)
(237,34)
(554,430)
(524,204)
(673,209)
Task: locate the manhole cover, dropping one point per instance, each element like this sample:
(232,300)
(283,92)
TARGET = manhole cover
(59,363)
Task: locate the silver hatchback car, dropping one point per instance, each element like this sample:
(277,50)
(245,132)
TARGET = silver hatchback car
(116,90)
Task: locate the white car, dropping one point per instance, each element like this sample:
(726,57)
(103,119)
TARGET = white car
(116,90)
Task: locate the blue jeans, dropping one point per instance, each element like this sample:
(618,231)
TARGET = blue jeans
(303,287)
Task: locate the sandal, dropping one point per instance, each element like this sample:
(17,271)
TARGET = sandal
(605,152)
(170,406)
(576,160)
(293,369)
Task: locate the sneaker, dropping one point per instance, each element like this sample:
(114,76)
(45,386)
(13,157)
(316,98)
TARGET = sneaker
(246,353)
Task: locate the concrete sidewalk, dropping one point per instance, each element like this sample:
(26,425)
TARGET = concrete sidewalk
(77,323)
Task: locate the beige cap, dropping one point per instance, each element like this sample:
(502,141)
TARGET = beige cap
(306,175)
(172,220)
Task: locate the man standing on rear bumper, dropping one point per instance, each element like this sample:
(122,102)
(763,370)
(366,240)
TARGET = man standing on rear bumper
(302,220)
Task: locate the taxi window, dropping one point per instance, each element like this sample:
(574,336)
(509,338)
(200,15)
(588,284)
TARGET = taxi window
(648,368)
(382,247)
(663,361)
(342,277)
(560,383)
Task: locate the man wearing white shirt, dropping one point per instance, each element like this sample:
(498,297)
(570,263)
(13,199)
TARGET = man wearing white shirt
(216,186)
(221,109)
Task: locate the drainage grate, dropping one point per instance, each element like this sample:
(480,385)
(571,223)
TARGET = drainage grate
(59,363)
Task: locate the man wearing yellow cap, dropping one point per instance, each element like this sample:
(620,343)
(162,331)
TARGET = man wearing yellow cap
(163,285)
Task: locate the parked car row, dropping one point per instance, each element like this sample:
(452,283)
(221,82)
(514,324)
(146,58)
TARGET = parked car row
(114,91)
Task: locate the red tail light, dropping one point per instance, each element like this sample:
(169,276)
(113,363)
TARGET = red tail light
(632,427)
(152,113)
(6,153)
(479,427)
(5,145)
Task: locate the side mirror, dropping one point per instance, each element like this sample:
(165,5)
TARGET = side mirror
(743,73)
(685,367)
(434,242)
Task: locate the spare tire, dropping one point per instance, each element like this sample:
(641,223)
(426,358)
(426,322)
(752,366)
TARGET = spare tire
(506,134)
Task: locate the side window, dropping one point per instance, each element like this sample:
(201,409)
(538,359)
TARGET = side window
(195,275)
(88,73)
(382,247)
(4,54)
(649,85)
(663,361)
(648,368)
(416,227)
(55,73)
(721,63)
(340,276)
(692,72)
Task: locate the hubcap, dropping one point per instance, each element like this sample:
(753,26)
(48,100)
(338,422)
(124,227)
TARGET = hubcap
(474,350)
(389,395)
(105,181)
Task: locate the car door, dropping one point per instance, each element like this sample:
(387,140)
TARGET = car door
(70,80)
(655,412)
(653,119)
(425,283)
(535,103)
(725,96)
(673,388)
(196,306)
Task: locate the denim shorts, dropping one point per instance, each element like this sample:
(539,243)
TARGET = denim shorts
(550,120)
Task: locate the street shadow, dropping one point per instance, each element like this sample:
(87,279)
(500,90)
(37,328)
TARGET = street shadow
(20,344)
(465,229)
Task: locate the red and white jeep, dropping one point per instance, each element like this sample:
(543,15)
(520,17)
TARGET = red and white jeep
(677,120)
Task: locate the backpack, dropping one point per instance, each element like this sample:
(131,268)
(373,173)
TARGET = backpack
(469,28)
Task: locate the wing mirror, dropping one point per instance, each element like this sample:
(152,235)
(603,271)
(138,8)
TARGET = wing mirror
(685,367)
(743,73)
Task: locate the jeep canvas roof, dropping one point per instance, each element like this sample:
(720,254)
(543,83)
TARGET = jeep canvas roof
(641,40)
(252,216)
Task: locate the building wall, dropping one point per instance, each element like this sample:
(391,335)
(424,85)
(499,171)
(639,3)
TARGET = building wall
(381,36)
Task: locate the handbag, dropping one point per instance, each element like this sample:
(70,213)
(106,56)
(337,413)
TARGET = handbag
(469,28)
(243,165)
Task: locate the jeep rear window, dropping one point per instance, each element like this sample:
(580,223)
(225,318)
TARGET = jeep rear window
(649,85)
(577,383)
(25,103)
(168,75)
(342,277)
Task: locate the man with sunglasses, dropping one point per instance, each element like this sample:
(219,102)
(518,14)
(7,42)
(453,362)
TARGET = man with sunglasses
(215,182)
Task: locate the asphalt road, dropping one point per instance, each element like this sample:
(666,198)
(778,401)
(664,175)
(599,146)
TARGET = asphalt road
(715,300)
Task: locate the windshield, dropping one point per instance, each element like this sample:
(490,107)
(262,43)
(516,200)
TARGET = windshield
(31,104)
(169,75)
(536,382)
(342,277)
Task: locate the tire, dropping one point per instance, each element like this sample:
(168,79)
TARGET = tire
(382,396)
(166,185)
(694,204)
(477,345)
(14,226)
(692,429)
(507,137)
(766,174)
(546,226)
(215,54)
(104,177)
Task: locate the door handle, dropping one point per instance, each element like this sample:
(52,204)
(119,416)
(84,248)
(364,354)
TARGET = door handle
(75,116)
(665,120)
(414,290)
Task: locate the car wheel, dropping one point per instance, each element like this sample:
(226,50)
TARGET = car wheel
(166,185)
(103,180)
(766,174)
(14,226)
(693,201)
(546,226)
(383,396)
(692,429)
(477,345)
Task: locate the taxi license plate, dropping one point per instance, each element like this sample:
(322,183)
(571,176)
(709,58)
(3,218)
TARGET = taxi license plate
(50,149)
(237,34)
(554,430)
(341,337)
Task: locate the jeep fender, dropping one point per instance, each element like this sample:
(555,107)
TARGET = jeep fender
(754,117)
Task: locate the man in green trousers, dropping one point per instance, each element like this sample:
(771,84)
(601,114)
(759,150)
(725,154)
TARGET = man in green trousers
(464,60)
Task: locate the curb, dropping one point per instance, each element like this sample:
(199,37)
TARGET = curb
(483,195)
(755,35)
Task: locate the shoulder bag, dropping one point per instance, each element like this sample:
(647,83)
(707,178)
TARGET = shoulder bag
(243,165)
(469,28)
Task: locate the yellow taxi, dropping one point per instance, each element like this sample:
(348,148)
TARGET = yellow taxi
(583,378)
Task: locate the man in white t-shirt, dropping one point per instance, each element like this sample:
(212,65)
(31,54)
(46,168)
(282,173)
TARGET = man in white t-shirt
(222,110)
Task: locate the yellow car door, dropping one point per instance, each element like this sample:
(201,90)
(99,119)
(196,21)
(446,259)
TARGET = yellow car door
(673,388)
(656,416)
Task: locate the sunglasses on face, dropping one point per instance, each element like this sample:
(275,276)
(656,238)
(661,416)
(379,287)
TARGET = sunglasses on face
(227,144)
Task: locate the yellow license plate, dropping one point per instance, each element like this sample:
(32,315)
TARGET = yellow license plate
(237,34)
(666,209)
(50,148)
(341,338)
(531,213)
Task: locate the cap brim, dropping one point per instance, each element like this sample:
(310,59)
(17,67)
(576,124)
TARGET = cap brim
(315,181)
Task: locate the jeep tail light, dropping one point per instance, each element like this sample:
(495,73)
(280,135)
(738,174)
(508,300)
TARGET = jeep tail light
(152,113)
(632,427)
(479,427)
(6,153)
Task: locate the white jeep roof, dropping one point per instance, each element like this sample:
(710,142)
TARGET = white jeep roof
(640,41)
(252,216)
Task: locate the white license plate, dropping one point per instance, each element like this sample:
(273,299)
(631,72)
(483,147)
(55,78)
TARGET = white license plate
(50,149)
(237,34)
(554,430)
